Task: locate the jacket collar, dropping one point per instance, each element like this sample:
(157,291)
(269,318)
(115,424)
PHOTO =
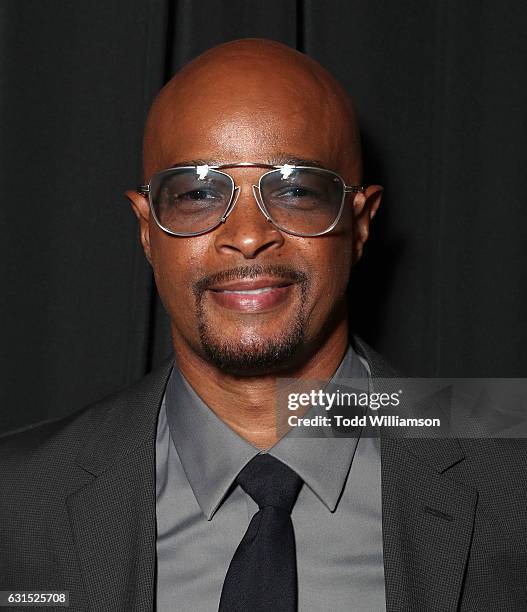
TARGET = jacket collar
(438,453)
(130,420)
(133,417)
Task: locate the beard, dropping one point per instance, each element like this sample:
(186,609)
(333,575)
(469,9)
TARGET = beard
(253,355)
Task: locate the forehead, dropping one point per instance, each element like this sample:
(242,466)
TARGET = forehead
(244,136)
(230,118)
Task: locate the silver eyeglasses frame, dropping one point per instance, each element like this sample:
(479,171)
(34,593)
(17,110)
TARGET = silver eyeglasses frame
(145,191)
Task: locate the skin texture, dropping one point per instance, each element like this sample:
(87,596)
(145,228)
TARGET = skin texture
(258,101)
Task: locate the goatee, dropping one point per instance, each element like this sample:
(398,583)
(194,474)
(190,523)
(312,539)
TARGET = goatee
(252,356)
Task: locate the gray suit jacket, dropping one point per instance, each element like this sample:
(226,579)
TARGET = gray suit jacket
(77,511)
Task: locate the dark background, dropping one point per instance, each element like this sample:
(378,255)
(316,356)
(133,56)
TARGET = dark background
(441,90)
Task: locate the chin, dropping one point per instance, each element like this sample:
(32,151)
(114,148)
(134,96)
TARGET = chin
(254,355)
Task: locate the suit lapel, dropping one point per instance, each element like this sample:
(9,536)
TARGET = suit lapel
(428,518)
(113,516)
(427,527)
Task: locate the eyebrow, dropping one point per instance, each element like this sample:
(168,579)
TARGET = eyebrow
(194,162)
(277,160)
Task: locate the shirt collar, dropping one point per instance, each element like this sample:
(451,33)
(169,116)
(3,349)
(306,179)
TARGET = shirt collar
(212,454)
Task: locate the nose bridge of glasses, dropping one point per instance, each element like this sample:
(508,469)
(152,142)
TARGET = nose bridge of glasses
(258,197)
(232,203)
(238,189)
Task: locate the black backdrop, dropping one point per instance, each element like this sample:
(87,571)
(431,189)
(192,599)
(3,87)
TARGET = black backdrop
(442,97)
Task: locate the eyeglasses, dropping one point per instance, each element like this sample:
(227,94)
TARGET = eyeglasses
(299,200)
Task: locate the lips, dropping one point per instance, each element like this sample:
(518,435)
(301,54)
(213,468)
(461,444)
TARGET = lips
(251,284)
(248,291)
(252,295)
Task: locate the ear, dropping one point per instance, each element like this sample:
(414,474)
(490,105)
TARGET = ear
(141,209)
(365,205)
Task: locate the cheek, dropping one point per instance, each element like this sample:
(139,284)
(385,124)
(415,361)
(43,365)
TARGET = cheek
(329,260)
(175,262)
(342,253)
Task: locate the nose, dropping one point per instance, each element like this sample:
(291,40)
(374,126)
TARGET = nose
(246,230)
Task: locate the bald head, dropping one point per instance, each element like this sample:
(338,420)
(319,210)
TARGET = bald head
(246,97)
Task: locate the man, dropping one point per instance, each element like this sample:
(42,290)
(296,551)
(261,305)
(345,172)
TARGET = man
(178,493)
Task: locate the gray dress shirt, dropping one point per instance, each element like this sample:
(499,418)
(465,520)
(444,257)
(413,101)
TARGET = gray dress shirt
(201,518)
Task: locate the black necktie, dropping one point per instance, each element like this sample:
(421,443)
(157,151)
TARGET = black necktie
(262,573)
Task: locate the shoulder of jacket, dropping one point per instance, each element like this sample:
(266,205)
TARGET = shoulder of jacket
(69,433)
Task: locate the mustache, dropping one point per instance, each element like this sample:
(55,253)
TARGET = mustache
(287,273)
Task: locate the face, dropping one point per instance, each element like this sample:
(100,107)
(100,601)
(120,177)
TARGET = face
(247,297)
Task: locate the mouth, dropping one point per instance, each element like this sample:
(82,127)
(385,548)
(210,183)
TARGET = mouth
(252,295)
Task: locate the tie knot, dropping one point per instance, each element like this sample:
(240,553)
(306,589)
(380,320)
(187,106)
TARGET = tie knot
(270,482)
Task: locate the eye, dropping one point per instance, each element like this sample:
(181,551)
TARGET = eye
(199,194)
(295,192)
(301,192)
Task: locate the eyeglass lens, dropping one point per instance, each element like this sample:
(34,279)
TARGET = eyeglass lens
(186,201)
(304,201)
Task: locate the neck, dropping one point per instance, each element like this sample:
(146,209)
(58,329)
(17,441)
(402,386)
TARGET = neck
(247,404)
